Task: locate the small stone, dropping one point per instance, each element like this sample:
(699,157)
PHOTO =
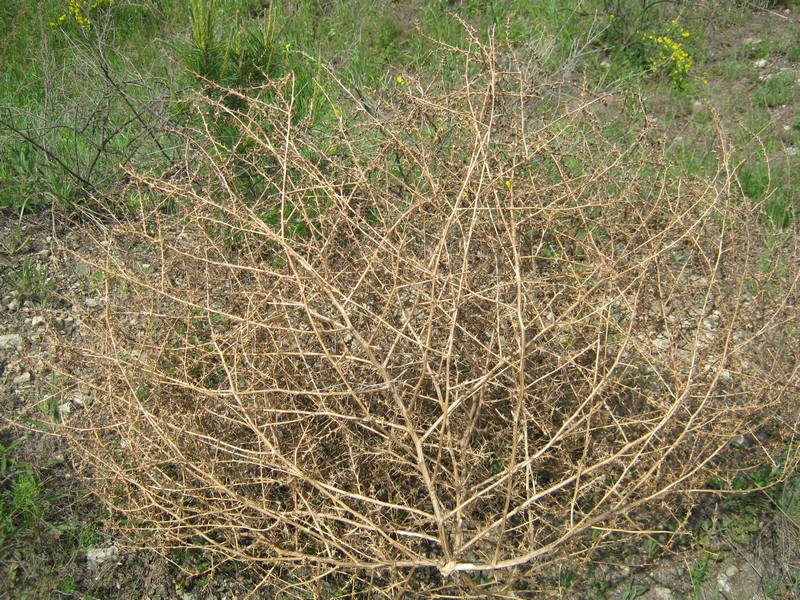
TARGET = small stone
(22,379)
(81,268)
(37,320)
(605,64)
(661,343)
(68,324)
(737,441)
(697,106)
(13,306)
(662,593)
(65,409)
(97,556)
(725,377)
(91,302)
(732,571)
(761,63)
(9,341)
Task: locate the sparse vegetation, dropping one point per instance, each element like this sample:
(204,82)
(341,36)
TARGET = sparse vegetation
(777,90)
(40,535)
(31,282)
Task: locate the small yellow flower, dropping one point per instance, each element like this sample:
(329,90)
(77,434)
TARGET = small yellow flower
(399,79)
(668,54)
(508,184)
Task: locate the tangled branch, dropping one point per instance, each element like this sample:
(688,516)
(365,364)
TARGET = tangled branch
(454,339)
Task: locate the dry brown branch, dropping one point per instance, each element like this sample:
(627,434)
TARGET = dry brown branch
(456,339)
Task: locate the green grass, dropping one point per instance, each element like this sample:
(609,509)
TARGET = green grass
(42,535)
(23,503)
(15,241)
(736,69)
(178,46)
(599,588)
(777,90)
(634,592)
(184,44)
(780,198)
(699,572)
(31,282)
(755,49)
(754,177)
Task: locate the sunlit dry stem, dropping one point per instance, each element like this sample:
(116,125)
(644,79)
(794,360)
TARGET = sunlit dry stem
(455,337)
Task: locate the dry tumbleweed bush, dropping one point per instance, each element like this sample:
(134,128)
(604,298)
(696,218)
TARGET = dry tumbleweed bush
(452,337)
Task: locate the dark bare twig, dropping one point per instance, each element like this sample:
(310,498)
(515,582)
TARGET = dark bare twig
(84,183)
